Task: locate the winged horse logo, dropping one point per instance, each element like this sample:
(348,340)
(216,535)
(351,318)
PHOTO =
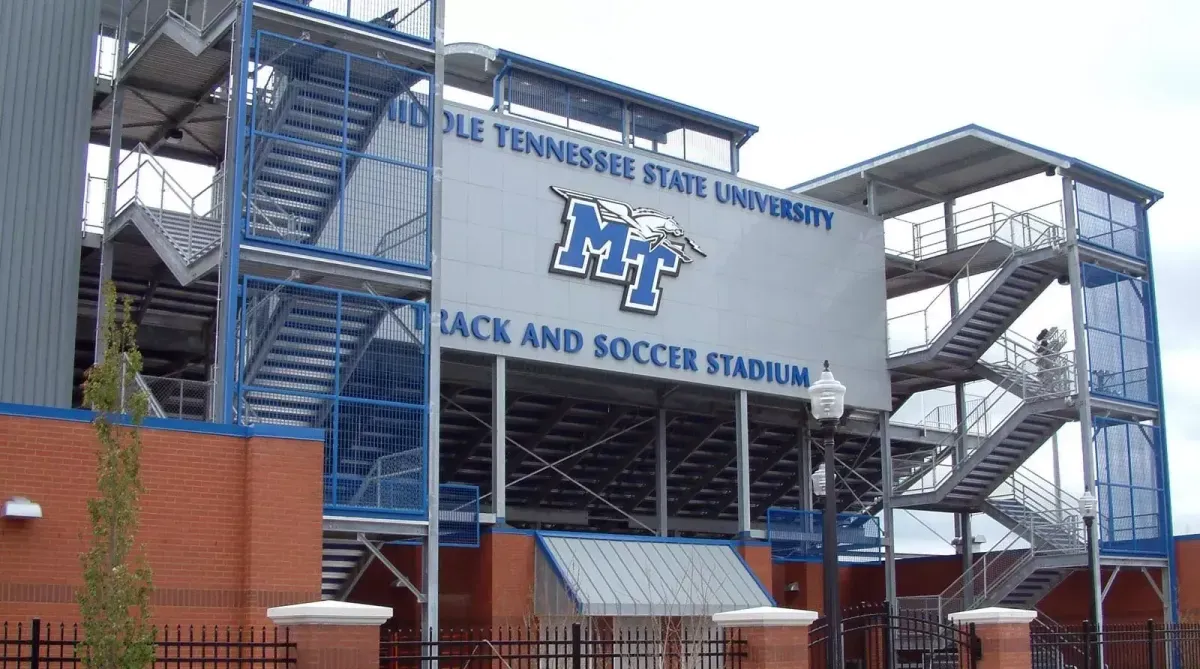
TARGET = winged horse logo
(649,225)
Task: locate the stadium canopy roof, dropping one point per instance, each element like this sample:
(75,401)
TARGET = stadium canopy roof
(952,165)
(474,67)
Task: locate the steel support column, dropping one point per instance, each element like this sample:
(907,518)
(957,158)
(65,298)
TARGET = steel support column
(805,469)
(962,521)
(742,428)
(114,160)
(889,513)
(1082,385)
(499,437)
(660,471)
(433,416)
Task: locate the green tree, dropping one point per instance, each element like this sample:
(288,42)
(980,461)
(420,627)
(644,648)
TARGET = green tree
(115,599)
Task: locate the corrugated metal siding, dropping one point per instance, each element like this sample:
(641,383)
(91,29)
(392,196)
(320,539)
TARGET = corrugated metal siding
(609,577)
(47,49)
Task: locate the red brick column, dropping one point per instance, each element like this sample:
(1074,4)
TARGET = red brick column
(775,638)
(1003,636)
(333,635)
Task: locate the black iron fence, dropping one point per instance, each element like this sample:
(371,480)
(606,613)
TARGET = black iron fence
(873,636)
(1151,645)
(659,643)
(39,645)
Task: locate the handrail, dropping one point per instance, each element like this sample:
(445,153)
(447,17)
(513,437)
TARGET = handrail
(1021,385)
(1024,239)
(180,201)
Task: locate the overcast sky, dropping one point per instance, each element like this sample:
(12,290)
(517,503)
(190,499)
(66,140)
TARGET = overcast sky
(831,83)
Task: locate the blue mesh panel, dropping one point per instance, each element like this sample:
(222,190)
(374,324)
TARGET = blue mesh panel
(353,365)
(1129,488)
(1122,359)
(1110,222)
(796,536)
(458,515)
(411,19)
(328,166)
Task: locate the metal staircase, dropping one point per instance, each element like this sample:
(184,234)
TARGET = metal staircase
(307,111)
(182,228)
(1018,258)
(1035,397)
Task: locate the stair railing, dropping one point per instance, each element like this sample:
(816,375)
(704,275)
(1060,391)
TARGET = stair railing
(1019,231)
(141,178)
(927,472)
(1040,496)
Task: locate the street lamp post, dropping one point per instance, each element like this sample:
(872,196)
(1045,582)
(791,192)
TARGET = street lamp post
(1087,510)
(828,404)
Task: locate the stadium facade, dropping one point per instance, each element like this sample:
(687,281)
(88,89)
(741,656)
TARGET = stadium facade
(519,304)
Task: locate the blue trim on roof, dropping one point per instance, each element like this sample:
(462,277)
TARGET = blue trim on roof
(974,129)
(171,424)
(601,536)
(603,85)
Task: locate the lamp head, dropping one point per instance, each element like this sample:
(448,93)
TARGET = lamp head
(1088,505)
(818,481)
(828,397)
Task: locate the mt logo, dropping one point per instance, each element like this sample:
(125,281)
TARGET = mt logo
(611,241)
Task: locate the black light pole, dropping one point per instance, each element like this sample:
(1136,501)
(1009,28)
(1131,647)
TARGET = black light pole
(1087,509)
(828,404)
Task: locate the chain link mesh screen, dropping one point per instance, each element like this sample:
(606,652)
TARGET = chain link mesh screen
(1122,355)
(1129,487)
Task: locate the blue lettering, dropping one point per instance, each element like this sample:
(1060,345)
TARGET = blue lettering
(448,120)
(739,367)
(701,186)
(643,293)
(530,337)
(655,352)
(585,157)
(628,172)
(689,359)
(572,153)
(601,342)
(445,316)
(739,195)
(619,165)
(677,182)
(620,348)
(459,325)
(518,140)
(798,212)
(501,133)
(760,200)
(572,341)
(460,126)
(589,237)
(639,352)
(828,219)
(785,208)
(648,176)
(602,161)
(551,338)
(774,205)
(555,147)
(394,109)
(713,365)
(757,369)
(799,376)
(476,129)
(535,144)
(722,191)
(725,360)
(676,355)
(477,324)
(500,330)
(662,176)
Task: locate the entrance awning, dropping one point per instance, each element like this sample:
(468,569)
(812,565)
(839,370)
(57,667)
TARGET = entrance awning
(635,576)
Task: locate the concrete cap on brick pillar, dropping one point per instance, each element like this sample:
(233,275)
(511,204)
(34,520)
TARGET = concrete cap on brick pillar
(993,615)
(765,616)
(329,612)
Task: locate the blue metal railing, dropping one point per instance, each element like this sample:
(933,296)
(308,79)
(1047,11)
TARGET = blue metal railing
(797,536)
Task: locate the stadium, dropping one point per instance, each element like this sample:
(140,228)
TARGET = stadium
(548,355)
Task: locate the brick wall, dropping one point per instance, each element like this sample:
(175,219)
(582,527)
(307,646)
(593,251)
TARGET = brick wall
(230,524)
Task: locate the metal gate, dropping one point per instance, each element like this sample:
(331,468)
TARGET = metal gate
(873,637)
